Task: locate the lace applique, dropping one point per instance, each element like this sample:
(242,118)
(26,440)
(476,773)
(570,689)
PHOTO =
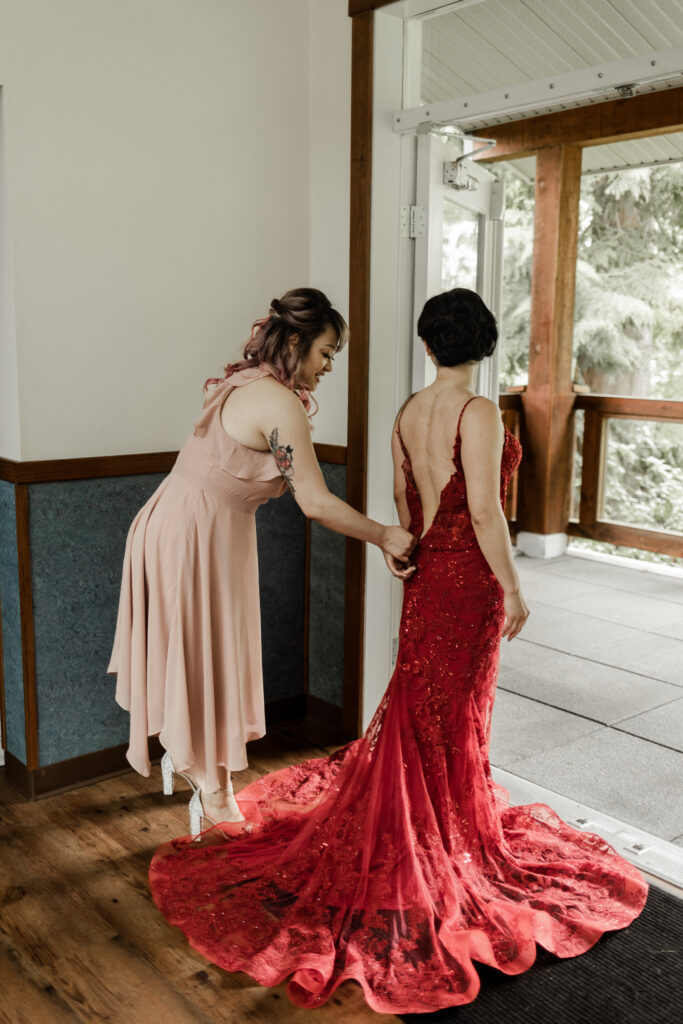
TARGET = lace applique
(398,861)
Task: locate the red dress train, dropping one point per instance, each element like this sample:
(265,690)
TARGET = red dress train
(398,861)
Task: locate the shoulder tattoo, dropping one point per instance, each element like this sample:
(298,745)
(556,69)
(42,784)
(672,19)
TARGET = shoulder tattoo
(284,457)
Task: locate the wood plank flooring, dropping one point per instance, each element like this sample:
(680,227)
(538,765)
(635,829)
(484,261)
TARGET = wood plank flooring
(81,941)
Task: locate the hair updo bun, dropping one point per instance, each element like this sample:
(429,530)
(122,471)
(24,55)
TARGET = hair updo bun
(458,327)
(303,312)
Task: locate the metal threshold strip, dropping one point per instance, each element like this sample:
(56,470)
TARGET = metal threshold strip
(660,861)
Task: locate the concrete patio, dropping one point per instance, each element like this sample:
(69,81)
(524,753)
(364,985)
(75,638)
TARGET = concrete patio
(590,694)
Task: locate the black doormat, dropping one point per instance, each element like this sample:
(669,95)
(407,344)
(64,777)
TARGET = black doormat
(634,976)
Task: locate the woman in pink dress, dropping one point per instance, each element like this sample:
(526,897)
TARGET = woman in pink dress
(187,648)
(397,862)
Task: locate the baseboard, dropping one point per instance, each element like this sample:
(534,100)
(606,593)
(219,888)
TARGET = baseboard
(105,764)
(75,771)
(326,719)
(286,710)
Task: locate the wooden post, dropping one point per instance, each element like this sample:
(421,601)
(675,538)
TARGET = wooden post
(545,472)
(359,363)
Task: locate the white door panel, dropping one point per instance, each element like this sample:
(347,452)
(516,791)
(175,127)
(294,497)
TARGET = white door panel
(462,245)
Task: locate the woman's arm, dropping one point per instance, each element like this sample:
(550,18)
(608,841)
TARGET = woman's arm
(286,428)
(395,567)
(399,478)
(481,448)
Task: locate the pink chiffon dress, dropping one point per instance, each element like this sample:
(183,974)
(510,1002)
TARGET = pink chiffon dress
(187,647)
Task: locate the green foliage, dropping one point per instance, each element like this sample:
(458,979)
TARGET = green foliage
(628,292)
(644,474)
(628,329)
(518,254)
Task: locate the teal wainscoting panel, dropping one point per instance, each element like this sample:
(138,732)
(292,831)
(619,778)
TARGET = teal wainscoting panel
(13,669)
(326,602)
(78,535)
(281,539)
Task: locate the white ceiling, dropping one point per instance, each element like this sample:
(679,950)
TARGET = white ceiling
(659,149)
(490,44)
(493,43)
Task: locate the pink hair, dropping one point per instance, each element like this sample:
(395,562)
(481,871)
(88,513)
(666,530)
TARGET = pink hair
(304,312)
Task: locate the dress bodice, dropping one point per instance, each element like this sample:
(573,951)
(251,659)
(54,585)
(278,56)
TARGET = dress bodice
(451,528)
(243,477)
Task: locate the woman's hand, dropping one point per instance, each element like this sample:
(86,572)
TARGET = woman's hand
(398,542)
(516,613)
(398,569)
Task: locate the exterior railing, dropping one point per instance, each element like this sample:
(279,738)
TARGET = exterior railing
(591,522)
(598,410)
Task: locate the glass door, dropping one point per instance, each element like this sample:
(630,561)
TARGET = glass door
(458,223)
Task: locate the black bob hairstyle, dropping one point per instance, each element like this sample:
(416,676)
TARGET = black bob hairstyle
(458,327)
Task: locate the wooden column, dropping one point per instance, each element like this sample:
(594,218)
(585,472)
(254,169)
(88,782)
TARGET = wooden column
(359,327)
(545,472)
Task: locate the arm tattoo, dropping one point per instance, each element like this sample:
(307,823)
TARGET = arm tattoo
(284,457)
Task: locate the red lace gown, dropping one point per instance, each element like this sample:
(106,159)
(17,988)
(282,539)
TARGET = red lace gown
(398,861)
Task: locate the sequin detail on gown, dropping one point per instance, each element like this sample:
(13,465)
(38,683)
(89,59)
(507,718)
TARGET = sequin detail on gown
(398,861)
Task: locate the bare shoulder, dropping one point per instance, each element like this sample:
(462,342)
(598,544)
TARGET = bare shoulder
(481,416)
(277,397)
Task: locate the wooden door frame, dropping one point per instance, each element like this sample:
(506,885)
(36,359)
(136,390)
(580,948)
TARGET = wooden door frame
(610,121)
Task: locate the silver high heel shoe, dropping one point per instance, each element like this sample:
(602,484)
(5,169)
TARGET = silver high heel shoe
(195,806)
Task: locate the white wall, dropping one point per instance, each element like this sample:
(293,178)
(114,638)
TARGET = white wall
(9,384)
(159,159)
(330,168)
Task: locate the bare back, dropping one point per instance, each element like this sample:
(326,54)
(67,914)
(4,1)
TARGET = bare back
(428,428)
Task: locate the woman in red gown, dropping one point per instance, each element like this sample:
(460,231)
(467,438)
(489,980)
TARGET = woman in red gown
(397,861)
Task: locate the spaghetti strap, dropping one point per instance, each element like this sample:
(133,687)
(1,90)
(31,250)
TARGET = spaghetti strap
(457,433)
(398,425)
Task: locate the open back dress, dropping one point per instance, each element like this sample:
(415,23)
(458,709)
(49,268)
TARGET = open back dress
(398,861)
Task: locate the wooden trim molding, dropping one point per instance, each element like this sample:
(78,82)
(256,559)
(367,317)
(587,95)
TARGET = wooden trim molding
(512,401)
(631,408)
(307,603)
(329,715)
(3,717)
(335,454)
(8,471)
(630,536)
(359,324)
(591,469)
(50,470)
(597,410)
(362,6)
(613,121)
(103,764)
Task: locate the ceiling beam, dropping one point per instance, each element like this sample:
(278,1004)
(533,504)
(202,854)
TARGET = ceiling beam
(654,113)
(360,6)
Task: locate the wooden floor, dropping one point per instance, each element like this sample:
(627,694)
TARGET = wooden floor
(80,938)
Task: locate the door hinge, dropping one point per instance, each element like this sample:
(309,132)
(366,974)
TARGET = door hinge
(413,222)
